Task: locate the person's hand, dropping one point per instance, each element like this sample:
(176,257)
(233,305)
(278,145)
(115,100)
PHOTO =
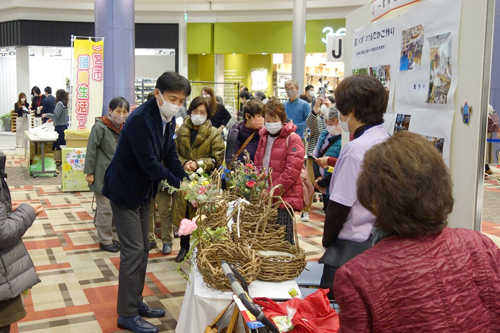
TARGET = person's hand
(317,104)
(15,205)
(43,115)
(322,162)
(327,102)
(190,166)
(50,120)
(90,179)
(194,204)
(316,186)
(38,208)
(221,128)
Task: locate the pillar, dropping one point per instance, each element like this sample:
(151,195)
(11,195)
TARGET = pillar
(23,71)
(183,56)
(299,42)
(495,62)
(115,21)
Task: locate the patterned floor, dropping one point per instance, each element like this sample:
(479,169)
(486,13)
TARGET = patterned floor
(79,282)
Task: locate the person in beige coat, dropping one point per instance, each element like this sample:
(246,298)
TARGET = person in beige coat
(199,145)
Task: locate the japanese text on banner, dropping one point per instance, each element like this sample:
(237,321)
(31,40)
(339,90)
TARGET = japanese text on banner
(382,7)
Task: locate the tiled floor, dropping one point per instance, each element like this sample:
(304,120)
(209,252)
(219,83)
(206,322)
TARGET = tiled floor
(79,282)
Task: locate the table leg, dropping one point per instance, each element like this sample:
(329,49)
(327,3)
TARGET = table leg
(43,156)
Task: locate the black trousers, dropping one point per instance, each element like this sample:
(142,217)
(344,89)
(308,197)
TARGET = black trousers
(132,227)
(327,280)
(5,329)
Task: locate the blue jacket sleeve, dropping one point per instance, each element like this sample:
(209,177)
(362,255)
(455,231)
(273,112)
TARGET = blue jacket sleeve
(174,166)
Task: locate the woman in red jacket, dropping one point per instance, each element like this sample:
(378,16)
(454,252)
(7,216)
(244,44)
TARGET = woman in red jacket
(420,276)
(282,150)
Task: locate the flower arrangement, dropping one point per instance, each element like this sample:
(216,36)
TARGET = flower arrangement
(246,180)
(198,235)
(197,189)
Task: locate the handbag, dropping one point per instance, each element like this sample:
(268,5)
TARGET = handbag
(243,146)
(313,315)
(232,327)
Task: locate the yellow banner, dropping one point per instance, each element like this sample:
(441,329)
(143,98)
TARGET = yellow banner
(87,94)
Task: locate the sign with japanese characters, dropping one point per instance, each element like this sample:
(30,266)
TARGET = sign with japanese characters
(73,178)
(382,7)
(87,82)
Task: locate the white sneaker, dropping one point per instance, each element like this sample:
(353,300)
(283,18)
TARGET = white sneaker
(304,217)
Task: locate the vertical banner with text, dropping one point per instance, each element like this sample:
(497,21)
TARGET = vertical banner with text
(87,83)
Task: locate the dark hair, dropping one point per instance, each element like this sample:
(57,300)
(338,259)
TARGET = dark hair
(200,100)
(172,81)
(244,95)
(213,101)
(405,183)
(219,99)
(150,95)
(309,86)
(274,108)
(260,95)
(331,98)
(243,89)
(48,90)
(19,99)
(61,96)
(305,97)
(36,90)
(365,96)
(119,102)
(252,108)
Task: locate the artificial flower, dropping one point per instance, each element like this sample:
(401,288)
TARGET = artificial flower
(250,183)
(187,227)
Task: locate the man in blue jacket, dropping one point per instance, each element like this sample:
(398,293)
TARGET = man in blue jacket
(131,180)
(297,110)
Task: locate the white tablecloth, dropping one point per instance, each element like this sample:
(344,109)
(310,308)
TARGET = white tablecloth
(202,304)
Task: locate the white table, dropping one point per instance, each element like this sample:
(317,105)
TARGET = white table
(33,137)
(202,304)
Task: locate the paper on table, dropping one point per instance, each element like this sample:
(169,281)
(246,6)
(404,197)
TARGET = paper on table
(273,290)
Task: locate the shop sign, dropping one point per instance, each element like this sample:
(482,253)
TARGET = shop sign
(87,82)
(335,48)
(382,7)
(329,31)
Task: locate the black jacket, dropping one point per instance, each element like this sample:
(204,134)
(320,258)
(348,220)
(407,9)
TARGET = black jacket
(135,170)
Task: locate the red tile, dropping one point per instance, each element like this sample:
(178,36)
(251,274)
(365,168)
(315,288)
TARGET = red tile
(42,244)
(52,267)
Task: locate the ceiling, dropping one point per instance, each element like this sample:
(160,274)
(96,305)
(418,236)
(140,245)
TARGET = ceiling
(162,11)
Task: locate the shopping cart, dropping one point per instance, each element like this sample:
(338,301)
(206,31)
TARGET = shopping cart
(240,288)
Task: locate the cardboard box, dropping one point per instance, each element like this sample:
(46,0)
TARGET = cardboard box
(76,138)
(77,143)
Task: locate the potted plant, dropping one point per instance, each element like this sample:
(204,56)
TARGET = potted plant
(5,118)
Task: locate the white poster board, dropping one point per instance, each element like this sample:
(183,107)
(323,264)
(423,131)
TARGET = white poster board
(415,56)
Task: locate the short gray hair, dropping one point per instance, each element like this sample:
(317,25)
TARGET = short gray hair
(295,83)
(331,114)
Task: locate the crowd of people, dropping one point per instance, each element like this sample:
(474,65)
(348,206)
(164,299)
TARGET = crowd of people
(390,262)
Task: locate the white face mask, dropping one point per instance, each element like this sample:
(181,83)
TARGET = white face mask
(168,110)
(332,129)
(323,108)
(273,127)
(345,125)
(291,94)
(206,96)
(311,93)
(23,100)
(118,119)
(198,119)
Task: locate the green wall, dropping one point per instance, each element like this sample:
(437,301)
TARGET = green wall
(200,37)
(261,61)
(255,37)
(201,67)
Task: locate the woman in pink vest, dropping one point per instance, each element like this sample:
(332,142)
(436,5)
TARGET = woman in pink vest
(282,150)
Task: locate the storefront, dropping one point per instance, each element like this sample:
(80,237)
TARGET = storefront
(258,54)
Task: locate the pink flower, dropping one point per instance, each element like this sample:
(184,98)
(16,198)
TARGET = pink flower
(202,190)
(187,227)
(250,183)
(248,165)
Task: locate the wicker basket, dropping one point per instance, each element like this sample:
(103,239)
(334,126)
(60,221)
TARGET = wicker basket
(244,259)
(215,212)
(285,263)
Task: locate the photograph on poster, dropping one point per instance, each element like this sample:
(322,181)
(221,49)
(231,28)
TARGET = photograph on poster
(440,68)
(383,74)
(402,123)
(436,141)
(360,71)
(412,43)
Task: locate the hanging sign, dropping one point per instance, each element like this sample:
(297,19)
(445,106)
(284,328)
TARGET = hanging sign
(87,82)
(382,7)
(335,48)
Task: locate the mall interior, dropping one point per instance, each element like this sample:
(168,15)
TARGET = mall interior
(227,45)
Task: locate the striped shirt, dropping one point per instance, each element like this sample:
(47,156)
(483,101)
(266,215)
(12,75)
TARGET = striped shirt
(316,125)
